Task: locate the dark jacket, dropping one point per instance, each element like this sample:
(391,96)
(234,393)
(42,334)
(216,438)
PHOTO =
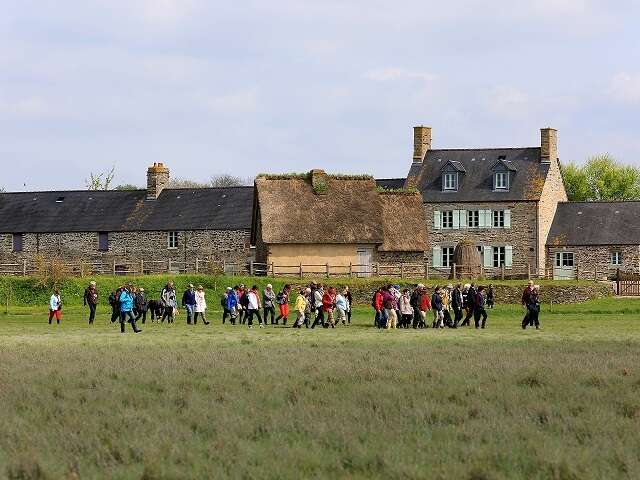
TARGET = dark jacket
(141,302)
(471,297)
(457,302)
(90,296)
(188,297)
(436,302)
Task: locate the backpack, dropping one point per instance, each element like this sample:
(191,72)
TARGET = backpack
(373,300)
(244,300)
(280,299)
(223,301)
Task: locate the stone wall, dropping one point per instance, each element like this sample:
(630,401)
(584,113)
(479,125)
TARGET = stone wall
(522,235)
(217,245)
(591,259)
(552,193)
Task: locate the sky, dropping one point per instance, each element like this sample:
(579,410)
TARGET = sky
(212,87)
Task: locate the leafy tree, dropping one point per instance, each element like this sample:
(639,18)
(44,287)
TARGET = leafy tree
(601,178)
(100,181)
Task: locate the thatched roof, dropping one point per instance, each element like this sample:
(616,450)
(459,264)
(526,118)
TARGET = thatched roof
(320,208)
(403,222)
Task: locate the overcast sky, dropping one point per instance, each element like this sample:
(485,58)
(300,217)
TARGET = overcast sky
(281,85)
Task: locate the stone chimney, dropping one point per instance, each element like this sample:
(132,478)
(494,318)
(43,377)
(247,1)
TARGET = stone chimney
(319,181)
(548,145)
(421,142)
(157,180)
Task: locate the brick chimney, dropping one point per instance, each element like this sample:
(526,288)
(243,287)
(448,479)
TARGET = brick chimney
(421,142)
(548,145)
(319,181)
(157,180)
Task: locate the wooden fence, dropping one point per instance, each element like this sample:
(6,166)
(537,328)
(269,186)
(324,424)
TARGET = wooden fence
(324,270)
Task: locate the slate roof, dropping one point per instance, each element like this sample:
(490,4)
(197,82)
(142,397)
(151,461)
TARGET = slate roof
(123,211)
(595,223)
(390,183)
(475,184)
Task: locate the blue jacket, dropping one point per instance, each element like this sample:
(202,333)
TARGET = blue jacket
(126,301)
(189,297)
(232,301)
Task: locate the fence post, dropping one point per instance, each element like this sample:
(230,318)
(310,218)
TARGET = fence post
(197,265)
(528,271)
(327,265)
(300,271)
(24,267)
(426,271)
(618,281)
(402,270)
(350,270)
(595,274)
(114,267)
(251,268)
(454,271)
(273,273)
(141,267)
(502,271)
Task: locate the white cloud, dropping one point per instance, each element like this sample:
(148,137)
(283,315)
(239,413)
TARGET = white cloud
(625,88)
(237,102)
(507,101)
(28,107)
(397,73)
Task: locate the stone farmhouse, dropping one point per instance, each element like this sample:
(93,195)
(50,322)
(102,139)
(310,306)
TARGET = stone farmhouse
(344,221)
(120,227)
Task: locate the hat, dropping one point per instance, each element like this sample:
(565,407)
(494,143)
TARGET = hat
(397,287)
(307,290)
(229,289)
(191,285)
(92,283)
(420,285)
(141,289)
(450,287)
(269,285)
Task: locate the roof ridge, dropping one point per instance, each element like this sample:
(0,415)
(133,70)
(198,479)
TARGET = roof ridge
(596,202)
(479,148)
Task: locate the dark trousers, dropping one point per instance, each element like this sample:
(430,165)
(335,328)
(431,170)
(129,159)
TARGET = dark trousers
(204,319)
(477,313)
(168,314)
(457,316)
(531,318)
(470,313)
(349,315)
(381,318)
(319,318)
(250,314)
(92,312)
(142,314)
(115,314)
(270,311)
(406,320)
(127,317)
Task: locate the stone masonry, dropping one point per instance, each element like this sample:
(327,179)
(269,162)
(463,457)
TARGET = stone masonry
(589,258)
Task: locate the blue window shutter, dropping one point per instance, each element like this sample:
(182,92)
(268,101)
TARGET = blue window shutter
(463,218)
(437,219)
(487,256)
(437,256)
(456,219)
(508,256)
(507,219)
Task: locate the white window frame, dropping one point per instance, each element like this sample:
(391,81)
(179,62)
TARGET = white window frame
(172,240)
(565,259)
(447,219)
(501,181)
(497,219)
(450,181)
(499,257)
(447,257)
(615,258)
(473,219)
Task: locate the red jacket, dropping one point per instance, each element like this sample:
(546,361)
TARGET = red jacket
(377,301)
(327,302)
(425,303)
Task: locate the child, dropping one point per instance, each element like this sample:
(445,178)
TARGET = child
(300,307)
(55,307)
(283,302)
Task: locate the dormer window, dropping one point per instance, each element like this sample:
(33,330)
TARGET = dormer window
(501,181)
(450,181)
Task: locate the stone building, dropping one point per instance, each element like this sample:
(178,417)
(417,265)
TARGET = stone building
(594,240)
(340,220)
(156,224)
(502,199)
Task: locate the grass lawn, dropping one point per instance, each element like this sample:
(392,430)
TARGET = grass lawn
(220,401)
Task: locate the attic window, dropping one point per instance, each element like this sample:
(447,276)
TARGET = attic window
(501,181)
(59,199)
(450,181)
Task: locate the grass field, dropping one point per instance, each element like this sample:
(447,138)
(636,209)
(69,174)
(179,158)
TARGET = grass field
(219,401)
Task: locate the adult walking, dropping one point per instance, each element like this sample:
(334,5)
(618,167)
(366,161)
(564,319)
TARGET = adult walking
(479,310)
(201,306)
(55,307)
(533,309)
(126,309)
(283,305)
(141,305)
(169,303)
(349,298)
(328,307)
(457,302)
(253,306)
(114,301)
(470,303)
(300,308)
(189,302)
(425,306)
(268,304)
(528,291)
(317,296)
(406,309)
(232,305)
(341,307)
(390,306)
(437,305)
(91,299)
(490,297)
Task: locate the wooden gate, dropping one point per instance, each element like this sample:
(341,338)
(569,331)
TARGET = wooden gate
(628,285)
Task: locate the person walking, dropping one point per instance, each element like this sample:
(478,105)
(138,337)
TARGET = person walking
(268,306)
(341,307)
(169,303)
(318,294)
(533,309)
(300,308)
(470,304)
(479,310)
(283,304)
(189,302)
(243,304)
(201,306)
(328,307)
(390,306)
(490,296)
(437,305)
(253,306)
(55,307)
(309,310)
(141,305)
(406,309)
(232,305)
(457,303)
(114,301)
(526,294)
(425,306)
(91,299)
(126,309)
(380,319)
(349,298)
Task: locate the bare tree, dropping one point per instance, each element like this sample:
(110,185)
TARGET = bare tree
(100,181)
(226,180)
(127,186)
(185,183)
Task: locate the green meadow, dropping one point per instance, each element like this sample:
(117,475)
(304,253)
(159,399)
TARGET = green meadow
(179,401)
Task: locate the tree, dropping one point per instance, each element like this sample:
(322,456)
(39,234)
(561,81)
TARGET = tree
(127,186)
(601,178)
(185,183)
(100,181)
(226,180)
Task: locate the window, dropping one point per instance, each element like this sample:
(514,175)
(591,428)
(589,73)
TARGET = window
(103,242)
(616,258)
(18,242)
(498,219)
(473,218)
(564,259)
(447,256)
(450,181)
(173,240)
(499,256)
(447,219)
(501,181)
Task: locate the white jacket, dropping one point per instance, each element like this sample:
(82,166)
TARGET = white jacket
(201,303)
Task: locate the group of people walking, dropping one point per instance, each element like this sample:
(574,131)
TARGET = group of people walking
(315,305)
(449,306)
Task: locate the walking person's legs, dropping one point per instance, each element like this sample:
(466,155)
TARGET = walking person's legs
(92,313)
